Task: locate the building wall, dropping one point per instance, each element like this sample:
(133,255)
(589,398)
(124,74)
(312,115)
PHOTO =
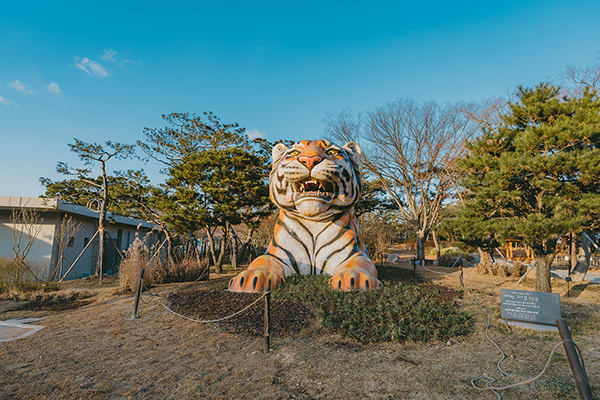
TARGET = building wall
(40,252)
(86,227)
(45,250)
(122,235)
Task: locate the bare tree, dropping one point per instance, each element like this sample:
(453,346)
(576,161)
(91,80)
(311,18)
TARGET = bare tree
(27,225)
(91,153)
(583,77)
(64,233)
(411,150)
(489,113)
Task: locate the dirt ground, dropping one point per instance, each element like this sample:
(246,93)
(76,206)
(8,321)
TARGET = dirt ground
(97,351)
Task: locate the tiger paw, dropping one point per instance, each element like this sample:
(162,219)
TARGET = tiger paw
(347,280)
(255,280)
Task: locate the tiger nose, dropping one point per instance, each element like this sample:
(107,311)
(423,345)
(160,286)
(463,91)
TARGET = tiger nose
(310,161)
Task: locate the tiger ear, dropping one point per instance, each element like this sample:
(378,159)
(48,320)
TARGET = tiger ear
(278,151)
(353,149)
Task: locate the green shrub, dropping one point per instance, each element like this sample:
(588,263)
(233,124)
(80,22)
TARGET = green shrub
(453,251)
(397,312)
(446,260)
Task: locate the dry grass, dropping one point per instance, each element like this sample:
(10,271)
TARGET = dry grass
(98,352)
(500,269)
(16,275)
(157,269)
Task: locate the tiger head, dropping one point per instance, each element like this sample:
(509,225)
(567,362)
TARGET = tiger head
(315,178)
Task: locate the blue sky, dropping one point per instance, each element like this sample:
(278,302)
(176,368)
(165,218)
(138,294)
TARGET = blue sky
(102,71)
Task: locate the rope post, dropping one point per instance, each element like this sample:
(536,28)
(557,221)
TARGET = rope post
(578,374)
(460,274)
(267,319)
(138,294)
(413,264)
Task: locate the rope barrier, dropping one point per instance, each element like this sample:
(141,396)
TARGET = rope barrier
(460,275)
(205,321)
(146,302)
(491,380)
(438,272)
(494,388)
(498,347)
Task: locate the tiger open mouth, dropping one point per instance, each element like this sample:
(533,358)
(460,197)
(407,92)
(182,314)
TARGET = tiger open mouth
(315,188)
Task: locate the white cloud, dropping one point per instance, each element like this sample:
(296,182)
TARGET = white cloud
(112,56)
(4,101)
(19,87)
(109,55)
(255,133)
(53,87)
(91,67)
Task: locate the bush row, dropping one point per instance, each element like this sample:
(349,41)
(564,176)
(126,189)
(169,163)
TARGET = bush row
(397,312)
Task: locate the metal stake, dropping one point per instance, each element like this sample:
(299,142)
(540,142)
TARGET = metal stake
(138,294)
(580,378)
(267,319)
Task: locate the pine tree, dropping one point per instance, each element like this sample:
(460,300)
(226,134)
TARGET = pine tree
(537,176)
(215,189)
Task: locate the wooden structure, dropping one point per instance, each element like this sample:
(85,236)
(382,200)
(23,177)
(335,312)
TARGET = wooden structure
(512,245)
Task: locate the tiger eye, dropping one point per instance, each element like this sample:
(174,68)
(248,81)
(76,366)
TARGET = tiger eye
(293,153)
(332,152)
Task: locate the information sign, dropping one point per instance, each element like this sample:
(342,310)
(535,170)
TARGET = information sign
(532,307)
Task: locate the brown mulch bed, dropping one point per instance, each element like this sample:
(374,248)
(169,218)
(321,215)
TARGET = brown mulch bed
(287,318)
(444,293)
(55,305)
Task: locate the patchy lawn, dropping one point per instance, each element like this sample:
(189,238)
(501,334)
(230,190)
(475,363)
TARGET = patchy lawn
(95,351)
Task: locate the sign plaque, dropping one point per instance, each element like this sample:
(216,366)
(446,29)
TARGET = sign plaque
(532,307)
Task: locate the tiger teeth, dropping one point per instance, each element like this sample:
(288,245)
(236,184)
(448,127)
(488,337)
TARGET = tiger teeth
(317,188)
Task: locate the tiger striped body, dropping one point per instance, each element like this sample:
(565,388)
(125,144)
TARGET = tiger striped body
(315,184)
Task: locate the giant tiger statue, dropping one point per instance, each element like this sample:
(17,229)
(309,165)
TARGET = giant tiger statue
(315,184)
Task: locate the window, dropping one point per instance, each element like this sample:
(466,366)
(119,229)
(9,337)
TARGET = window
(71,241)
(119,238)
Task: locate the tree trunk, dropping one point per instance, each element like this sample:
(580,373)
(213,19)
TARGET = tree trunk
(436,242)
(245,247)
(170,253)
(420,244)
(211,246)
(102,225)
(219,263)
(542,276)
(234,252)
(583,260)
(242,252)
(572,251)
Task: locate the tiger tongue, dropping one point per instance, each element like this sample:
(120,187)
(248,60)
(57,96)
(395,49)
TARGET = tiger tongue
(311,188)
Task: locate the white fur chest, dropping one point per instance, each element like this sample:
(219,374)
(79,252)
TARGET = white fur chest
(314,247)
